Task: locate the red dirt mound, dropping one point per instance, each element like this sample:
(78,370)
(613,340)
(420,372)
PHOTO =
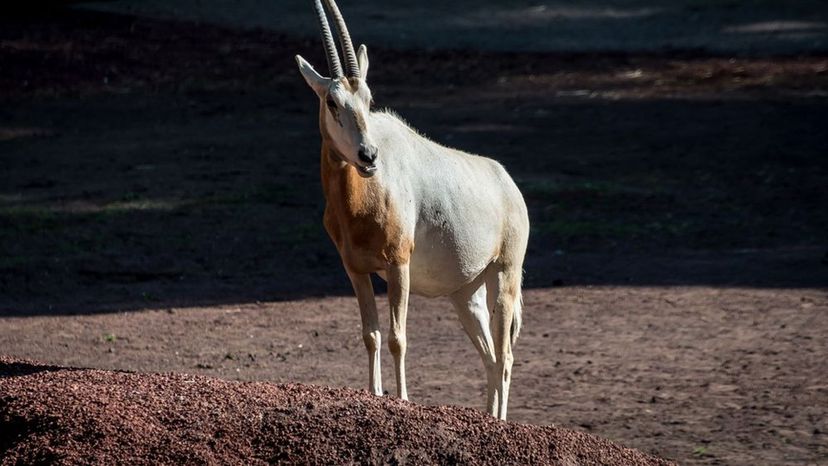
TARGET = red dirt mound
(53,414)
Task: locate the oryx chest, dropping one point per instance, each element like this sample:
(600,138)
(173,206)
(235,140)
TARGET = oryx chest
(365,224)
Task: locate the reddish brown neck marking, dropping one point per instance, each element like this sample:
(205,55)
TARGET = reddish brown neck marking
(360,216)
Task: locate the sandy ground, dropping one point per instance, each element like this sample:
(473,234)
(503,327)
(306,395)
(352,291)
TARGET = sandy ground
(160,211)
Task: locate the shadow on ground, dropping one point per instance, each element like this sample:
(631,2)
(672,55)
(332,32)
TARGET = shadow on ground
(142,172)
(734,26)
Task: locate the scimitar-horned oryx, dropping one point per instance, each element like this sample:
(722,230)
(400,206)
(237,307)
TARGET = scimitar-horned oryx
(428,219)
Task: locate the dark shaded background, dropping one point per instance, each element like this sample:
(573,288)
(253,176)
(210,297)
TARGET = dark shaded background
(176,162)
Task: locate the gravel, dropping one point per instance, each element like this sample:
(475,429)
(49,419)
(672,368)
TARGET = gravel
(59,415)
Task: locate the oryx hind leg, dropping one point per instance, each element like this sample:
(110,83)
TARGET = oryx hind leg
(470,303)
(503,297)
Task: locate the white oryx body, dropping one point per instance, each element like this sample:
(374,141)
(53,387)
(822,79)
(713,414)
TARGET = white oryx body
(456,207)
(431,220)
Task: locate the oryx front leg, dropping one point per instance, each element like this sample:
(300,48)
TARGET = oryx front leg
(370,328)
(398,289)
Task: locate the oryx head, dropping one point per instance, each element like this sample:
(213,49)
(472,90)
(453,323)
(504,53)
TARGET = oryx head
(345,99)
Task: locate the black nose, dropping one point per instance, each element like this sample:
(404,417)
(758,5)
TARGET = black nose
(367,155)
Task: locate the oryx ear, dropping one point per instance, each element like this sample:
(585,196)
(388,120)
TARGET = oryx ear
(362,59)
(317,82)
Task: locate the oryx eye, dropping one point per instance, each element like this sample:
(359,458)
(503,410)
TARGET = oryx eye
(331,105)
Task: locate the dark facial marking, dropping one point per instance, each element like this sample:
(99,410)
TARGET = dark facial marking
(359,120)
(333,109)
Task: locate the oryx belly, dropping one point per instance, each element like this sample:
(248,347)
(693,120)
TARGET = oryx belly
(443,261)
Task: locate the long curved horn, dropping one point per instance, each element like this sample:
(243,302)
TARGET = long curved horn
(351,65)
(334,66)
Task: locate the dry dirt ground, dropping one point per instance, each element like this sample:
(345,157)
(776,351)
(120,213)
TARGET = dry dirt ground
(160,211)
